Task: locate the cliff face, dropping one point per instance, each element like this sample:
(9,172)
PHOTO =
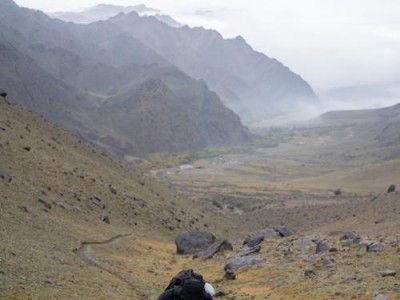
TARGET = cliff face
(108,86)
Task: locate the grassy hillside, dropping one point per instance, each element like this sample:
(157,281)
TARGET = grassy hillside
(60,194)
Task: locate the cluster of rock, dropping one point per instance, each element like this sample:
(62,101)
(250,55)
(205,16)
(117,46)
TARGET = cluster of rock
(205,245)
(313,248)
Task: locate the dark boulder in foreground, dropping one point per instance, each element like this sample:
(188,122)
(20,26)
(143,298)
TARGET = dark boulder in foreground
(193,242)
(214,249)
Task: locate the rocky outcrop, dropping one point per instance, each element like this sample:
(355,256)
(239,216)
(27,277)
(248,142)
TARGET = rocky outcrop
(193,242)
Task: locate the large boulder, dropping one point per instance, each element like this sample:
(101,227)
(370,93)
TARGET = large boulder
(238,262)
(214,249)
(193,242)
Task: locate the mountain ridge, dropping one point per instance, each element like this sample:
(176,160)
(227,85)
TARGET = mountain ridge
(263,84)
(97,62)
(252,84)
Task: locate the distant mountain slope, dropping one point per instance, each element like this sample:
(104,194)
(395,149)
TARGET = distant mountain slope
(379,127)
(252,84)
(153,116)
(82,69)
(249,82)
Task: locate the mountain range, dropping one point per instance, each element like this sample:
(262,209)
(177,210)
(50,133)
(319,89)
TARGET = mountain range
(254,85)
(105,11)
(108,87)
(135,85)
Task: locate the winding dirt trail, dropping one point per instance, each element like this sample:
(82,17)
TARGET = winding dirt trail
(83,254)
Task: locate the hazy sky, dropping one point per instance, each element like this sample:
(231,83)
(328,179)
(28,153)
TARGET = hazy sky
(328,42)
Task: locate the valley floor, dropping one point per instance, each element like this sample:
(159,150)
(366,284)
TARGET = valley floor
(293,185)
(77,225)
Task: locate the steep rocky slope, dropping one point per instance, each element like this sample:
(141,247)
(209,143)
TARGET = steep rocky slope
(56,192)
(153,116)
(74,73)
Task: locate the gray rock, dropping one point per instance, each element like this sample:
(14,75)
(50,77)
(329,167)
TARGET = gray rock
(214,249)
(235,263)
(266,233)
(193,242)
(105,218)
(230,275)
(253,240)
(375,247)
(246,250)
(349,238)
(306,242)
(387,273)
(283,231)
(45,203)
(5,177)
(310,274)
(322,247)
(350,235)
(380,297)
